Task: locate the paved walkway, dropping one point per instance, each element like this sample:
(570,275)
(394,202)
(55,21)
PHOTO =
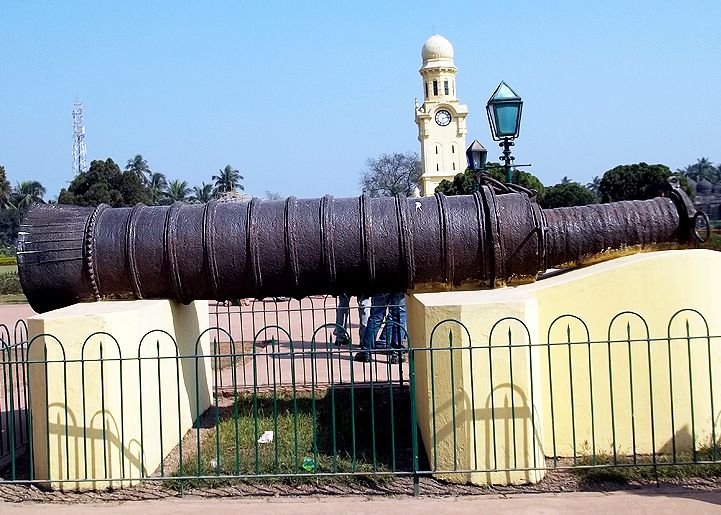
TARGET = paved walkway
(313,359)
(641,501)
(10,314)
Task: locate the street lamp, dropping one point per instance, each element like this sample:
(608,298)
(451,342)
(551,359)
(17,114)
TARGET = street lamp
(504,115)
(476,155)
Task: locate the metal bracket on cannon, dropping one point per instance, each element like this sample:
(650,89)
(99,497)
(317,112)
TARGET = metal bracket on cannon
(692,219)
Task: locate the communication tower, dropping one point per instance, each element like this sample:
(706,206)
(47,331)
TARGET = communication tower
(79,149)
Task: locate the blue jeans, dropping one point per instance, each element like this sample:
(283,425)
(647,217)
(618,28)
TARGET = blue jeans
(394,332)
(342,315)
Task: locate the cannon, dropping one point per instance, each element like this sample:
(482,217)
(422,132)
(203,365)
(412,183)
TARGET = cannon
(299,247)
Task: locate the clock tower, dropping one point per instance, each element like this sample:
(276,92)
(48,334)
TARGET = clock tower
(441,119)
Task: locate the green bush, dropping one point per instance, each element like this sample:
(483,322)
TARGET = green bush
(714,242)
(10,283)
(8,260)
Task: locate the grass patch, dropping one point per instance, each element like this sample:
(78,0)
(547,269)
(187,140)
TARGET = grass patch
(344,431)
(625,470)
(8,261)
(13,298)
(714,242)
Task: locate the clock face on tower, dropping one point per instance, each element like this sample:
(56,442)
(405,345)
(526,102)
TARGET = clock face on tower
(443,117)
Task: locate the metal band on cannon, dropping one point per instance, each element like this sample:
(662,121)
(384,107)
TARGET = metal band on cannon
(298,247)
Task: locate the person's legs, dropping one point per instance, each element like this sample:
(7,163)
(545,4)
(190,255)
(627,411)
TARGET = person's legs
(341,316)
(402,312)
(397,315)
(364,312)
(377,312)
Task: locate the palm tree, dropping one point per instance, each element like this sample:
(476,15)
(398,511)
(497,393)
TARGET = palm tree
(702,169)
(228,180)
(203,193)
(139,167)
(594,184)
(28,192)
(566,180)
(272,195)
(157,186)
(178,190)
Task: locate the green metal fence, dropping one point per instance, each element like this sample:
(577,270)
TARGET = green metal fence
(460,406)
(13,387)
(267,326)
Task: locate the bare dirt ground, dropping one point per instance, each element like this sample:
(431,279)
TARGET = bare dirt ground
(555,482)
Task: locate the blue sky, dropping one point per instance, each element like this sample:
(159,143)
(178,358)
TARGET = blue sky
(297,95)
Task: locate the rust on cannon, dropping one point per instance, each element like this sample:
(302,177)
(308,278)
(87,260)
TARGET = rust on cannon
(298,247)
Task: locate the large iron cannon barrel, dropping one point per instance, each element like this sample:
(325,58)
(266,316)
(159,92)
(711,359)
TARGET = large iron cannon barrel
(298,247)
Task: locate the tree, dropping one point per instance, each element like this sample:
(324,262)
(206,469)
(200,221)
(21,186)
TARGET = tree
(9,215)
(203,193)
(228,179)
(391,174)
(27,193)
(637,182)
(9,226)
(139,167)
(104,183)
(273,195)
(466,183)
(567,194)
(5,189)
(178,190)
(702,169)
(594,184)
(157,187)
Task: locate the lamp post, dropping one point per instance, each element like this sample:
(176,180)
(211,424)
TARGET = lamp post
(504,115)
(476,155)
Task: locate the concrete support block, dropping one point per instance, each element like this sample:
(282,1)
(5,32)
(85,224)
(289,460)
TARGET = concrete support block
(654,387)
(478,405)
(115,396)
(616,359)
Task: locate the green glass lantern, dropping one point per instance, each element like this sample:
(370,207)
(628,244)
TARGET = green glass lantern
(476,155)
(504,112)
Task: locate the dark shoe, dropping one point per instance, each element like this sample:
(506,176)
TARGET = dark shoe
(363,357)
(342,340)
(397,357)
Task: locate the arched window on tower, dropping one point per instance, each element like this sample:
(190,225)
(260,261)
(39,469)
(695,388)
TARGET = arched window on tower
(445,87)
(436,149)
(426,85)
(453,149)
(435,88)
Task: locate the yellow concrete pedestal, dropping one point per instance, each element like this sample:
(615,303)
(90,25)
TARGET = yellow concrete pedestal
(616,359)
(478,407)
(110,394)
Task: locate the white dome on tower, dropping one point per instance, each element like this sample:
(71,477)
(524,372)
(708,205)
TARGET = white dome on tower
(437,52)
(437,47)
